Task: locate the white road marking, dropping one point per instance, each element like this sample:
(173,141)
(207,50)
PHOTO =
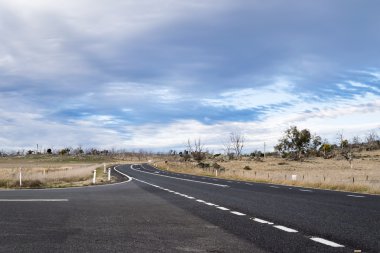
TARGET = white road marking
(129,178)
(286,229)
(326,242)
(34,200)
(183,179)
(356,196)
(262,221)
(238,213)
(274,186)
(248,184)
(283,228)
(303,190)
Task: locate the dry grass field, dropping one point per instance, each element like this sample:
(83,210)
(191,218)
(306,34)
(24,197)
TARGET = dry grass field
(334,174)
(49,171)
(41,171)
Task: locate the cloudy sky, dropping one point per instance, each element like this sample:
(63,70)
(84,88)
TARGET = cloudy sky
(151,74)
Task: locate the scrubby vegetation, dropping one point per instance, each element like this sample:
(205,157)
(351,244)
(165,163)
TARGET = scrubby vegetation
(298,151)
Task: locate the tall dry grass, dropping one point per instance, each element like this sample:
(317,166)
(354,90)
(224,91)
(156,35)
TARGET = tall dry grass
(335,174)
(46,175)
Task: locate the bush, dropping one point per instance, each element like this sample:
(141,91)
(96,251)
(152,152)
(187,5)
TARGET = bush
(247,168)
(203,165)
(216,166)
(32,183)
(64,151)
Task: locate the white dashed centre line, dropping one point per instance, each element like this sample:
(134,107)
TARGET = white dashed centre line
(283,228)
(238,213)
(262,221)
(286,229)
(304,190)
(356,196)
(326,242)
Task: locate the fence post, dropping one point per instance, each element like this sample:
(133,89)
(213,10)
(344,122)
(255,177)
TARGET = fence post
(109,174)
(94,179)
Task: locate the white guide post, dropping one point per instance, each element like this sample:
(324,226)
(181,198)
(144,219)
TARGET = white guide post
(20,178)
(109,174)
(94,179)
(104,170)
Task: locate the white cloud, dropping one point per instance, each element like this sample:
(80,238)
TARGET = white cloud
(74,65)
(277,93)
(142,92)
(362,85)
(357,84)
(56,38)
(355,116)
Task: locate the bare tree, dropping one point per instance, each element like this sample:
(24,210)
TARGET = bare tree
(371,139)
(345,148)
(196,149)
(341,140)
(356,141)
(236,143)
(228,150)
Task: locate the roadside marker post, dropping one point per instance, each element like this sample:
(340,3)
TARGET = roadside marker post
(94,179)
(104,170)
(109,174)
(294,177)
(20,178)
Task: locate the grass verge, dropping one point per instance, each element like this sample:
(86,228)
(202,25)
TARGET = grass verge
(346,187)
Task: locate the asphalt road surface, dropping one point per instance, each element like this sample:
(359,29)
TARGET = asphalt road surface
(159,211)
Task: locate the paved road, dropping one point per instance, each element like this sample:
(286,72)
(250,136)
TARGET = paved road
(273,217)
(165,212)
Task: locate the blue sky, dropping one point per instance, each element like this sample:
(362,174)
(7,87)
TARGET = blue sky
(152,74)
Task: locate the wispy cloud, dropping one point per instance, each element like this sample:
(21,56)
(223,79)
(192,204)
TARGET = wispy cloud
(249,98)
(148,74)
